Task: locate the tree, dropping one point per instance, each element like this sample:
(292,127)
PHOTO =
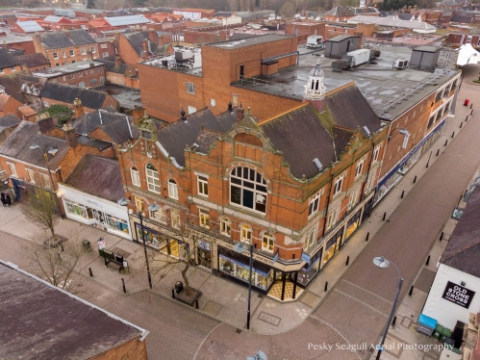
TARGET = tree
(61,113)
(287,9)
(351,3)
(41,207)
(90,4)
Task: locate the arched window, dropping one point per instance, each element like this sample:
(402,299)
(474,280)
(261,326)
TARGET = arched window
(153,183)
(316,85)
(225,226)
(267,242)
(135,176)
(246,233)
(248,189)
(313,85)
(172,189)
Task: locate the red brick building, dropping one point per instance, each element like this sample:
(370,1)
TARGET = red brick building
(295,185)
(84,74)
(8,64)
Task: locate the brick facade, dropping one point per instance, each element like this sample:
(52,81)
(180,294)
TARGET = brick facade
(87,78)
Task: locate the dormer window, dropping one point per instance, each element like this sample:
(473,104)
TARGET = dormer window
(146,134)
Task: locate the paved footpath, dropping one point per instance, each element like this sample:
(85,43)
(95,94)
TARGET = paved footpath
(319,325)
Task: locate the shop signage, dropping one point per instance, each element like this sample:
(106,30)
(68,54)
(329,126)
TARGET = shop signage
(275,258)
(306,257)
(458,294)
(255,256)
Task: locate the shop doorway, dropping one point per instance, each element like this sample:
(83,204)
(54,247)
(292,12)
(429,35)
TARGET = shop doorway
(204,255)
(285,286)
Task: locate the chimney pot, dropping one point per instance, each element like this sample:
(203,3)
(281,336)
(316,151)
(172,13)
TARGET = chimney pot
(230,107)
(240,113)
(79,109)
(70,135)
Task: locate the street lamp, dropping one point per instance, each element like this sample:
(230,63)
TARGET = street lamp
(241,247)
(383,263)
(152,208)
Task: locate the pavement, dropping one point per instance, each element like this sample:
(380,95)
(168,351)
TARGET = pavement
(341,323)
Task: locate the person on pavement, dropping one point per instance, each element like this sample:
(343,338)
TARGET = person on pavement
(4,201)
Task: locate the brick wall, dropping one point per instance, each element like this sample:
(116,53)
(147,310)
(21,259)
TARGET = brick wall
(307,28)
(8,70)
(127,52)
(134,349)
(90,80)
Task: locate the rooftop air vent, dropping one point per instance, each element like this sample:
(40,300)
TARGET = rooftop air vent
(34,146)
(318,164)
(366,130)
(52,151)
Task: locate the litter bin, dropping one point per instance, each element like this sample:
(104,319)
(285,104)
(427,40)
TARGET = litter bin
(438,333)
(86,244)
(178,287)
(467,101)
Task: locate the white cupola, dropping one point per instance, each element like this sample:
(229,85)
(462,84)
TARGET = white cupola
(315,90)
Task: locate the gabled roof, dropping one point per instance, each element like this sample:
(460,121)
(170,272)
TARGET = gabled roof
(30,26)
(7,60)
(127,20)
(32,60)
(55,19)
(136,41)
(59,39)
(463,248)
(13,84)
(9,121)
(174,137)
(26,135)
(97,176)
(113,67)
(90,98)
(119,127)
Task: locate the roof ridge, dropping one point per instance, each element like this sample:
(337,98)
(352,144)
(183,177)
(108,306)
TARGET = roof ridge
(334,91)
(460,252)
(263,122)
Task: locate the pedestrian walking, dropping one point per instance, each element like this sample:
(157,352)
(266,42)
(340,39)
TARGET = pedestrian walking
(8,200)
(4,201)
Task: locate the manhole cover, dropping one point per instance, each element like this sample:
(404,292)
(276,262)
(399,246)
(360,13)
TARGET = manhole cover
(269,318)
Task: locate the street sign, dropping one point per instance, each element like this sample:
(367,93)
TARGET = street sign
(458,294)
(306,258)
(275,258)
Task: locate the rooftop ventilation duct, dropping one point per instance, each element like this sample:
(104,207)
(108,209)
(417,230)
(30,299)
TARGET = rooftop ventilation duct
(318,164)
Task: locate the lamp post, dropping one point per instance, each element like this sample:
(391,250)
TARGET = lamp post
(152,208)
(383,263)
(241,247)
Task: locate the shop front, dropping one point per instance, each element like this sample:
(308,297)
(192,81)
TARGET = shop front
(352,226)
(332,246)
(92,210)
(204,254)
(310,270)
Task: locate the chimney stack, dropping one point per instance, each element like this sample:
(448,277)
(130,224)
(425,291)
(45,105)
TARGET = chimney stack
(45,123)
(79,109)
(118,61)
(240,113)
(70,135)
(146,53)
(230,107)
(152,35)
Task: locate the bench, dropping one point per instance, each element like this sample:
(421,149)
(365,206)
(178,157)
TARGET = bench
(112,259)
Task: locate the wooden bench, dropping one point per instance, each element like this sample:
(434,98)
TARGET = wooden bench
(112,259)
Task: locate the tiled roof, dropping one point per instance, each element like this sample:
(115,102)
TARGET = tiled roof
(3,101)
(463,248)
(32,60)
(9,121)
(7,60)
(59,39)
(90,98)
(53,324)
(26,135)
(205,140)
(97,176)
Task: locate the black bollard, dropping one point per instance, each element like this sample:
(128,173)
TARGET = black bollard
(438,152)
(446,142)
(428,162)
(453,134)
(384,216)
(403,193)
(471,112)
(466,119)
(415,179)
(411,291)
(123,285)
(348,260)
(173,293)
(196,303)
(326,286)
(471,105)
(368,235)
(428,260)
(90,271)
(461,124)
(394,321)
(441,236)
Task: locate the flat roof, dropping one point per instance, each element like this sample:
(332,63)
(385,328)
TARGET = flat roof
(377,81)
(41,321)
(66,69)
(261,39)
(342,37)
(426,48)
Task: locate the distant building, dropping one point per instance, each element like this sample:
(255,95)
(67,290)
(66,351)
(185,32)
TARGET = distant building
(26,27)
(8,64)
(34,62)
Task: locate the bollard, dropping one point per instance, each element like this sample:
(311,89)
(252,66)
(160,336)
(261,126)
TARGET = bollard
(415,179)
(441,236)
(173,293)
(459,201)
(428,162)
(438,152)
(428,260)
(471,105)
(446,142)
(348,260)
(466,119)
(465,192)
(196,303)
(384,216)
(123,285)
(461,124)
(411,291)
(453,134)
(326,286)
(394,321)
(403,193)
(471,112)
(90,271)
(368,235)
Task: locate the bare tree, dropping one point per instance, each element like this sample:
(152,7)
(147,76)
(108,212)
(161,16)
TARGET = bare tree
(41,207)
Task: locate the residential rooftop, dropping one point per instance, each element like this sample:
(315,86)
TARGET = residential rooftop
(66,69)
(249,41)
(128,98)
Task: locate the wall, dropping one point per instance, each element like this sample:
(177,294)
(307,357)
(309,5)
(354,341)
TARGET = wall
(200,37)
(134,349)
(8,70)
(306,28)
(445,312)
(91,80)
(126,52)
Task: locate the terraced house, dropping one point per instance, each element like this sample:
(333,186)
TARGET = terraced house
(296,186)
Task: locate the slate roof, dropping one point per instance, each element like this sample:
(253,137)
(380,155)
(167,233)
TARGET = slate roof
(9,121)
(97,176)
(17,146)
(32,60)
(53,324)
(7,60)
(59,39)
(111,66)
(463,248)
(136,41)
(90,98)
(111,123)
(13,84)
(205,140)
(174,137)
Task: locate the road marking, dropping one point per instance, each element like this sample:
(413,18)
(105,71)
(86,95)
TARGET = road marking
(339,333)
(361,302)
(206,337)
(372,293)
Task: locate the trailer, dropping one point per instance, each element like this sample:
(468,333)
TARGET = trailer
(315,42)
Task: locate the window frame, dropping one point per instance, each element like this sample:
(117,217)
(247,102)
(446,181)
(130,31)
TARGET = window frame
(270,243)
(190,87)
(338,188)
(92,49)
(83,51)
(172,189)
(153,180)
(175,219)
(225,226)
(246,233)
(204,218)
(352,200)
(72,53)
(202,185)
(376,152)
(135,176)
(405,141)
(158,215)
(332,218)
(359,168)
(46,181)
(314,204)
(13,169)
(31,175)
(55,55)
(309,240)
(251,188)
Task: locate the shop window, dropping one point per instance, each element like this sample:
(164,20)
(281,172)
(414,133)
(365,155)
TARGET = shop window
(31,175)
(204,218)
(246,233)
(115,223)
(175,218)
(267,242)
(431,122)
(46,181)
(190,88)
(12,168)
(248,189)
(158,215)
(313,207)
(337,187)
(359,169)
(332,218)
(153,183)
(225,226)
(309,240)
(135,176)
(76,209)
(376,153)
(202,185)
(172,189)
